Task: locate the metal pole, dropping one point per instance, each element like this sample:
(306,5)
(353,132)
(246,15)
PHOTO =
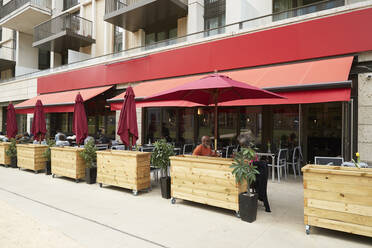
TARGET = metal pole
(215,121)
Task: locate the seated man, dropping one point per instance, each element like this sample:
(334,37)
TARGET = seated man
(204,149)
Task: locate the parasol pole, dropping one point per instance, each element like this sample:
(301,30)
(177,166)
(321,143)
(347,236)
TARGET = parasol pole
(215,120)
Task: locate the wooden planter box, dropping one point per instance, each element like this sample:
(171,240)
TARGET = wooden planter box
(4,159)
(31,157)
(338,198)
(67,162)
(125,169)
(205,180)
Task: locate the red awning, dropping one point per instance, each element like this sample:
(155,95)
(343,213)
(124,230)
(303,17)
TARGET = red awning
(60,101)
(298,82)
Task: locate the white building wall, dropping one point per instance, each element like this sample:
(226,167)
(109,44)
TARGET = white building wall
(26,56)
(241,10)
(195,19)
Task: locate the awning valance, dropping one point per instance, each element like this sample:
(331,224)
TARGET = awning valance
(316,81)
(60,101)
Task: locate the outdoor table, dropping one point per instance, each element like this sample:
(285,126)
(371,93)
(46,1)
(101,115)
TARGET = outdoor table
(272,155)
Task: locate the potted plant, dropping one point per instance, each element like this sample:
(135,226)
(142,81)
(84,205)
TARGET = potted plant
(12,153)
(160,159)
(47,155)
(89,154)
(245,171)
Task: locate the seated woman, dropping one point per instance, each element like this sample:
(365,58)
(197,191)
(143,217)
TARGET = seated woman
(205,148)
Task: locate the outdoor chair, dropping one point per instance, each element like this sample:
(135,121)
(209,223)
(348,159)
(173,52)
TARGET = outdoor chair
(229,151)
(337,161)
(281,162)
(188,149)
(296,160)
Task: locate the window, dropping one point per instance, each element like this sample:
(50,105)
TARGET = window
(118,39)
(214,16)
(44,59)
(292,8)
(161,35)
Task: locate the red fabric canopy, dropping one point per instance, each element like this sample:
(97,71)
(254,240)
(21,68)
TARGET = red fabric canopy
(329,71)
(212,89)
(128,119)
(59,102)
(38,128)
(79,120)
(11,122)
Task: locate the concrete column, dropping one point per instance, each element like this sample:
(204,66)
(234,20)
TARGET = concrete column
(139,124)
(107,30)
(117,116)
(195,19)
(1,120)
(94,22)
(51,59)
(29,117)
(365,112)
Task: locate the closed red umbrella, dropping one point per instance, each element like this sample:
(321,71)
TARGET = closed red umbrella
(38,128)
(212,90)
(128,119)
(79,120)
(11,122)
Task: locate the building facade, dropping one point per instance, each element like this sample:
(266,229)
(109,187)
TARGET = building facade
(316,53)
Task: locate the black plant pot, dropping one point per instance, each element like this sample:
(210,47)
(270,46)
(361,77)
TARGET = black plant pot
(48,168)
(165,185)
(90,175)
(13,162)
(248,207)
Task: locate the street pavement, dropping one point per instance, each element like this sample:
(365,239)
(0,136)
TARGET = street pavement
(40,211)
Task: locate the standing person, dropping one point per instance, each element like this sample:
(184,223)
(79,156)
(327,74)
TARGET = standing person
(205,148)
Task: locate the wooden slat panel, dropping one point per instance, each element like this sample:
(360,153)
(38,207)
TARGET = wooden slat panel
(338,197)
(339,216)
(357,190)
(67,162)
(31,157)
(340,207)
(124,169)
(340,226)
(342,179)
(205,180)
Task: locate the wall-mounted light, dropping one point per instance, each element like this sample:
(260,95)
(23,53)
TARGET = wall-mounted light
(200,111)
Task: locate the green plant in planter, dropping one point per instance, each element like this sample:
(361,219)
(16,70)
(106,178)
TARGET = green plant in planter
(160,156)
(243,168)
(89,154)
(47,153)
(12,151)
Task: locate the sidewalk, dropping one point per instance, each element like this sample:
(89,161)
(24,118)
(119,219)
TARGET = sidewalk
(20,230)
(111,217)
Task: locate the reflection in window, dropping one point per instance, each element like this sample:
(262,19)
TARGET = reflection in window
(214,16)
(153,125)
(169,126)
(205,123)
(227,124)
(286,124)
(251,124)
(186,126)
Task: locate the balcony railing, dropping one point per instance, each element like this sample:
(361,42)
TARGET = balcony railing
(114,5)
(7,53)
(308,9)
(13,5)
(66,22)
(70,3)
(245,26)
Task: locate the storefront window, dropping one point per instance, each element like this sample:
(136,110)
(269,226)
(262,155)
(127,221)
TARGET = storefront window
(251,124)
(169,125)
(323,129)
(228,125)
(153,125)
(186,126)
(21,123)
(92,125)
(205,123)
(285,127)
